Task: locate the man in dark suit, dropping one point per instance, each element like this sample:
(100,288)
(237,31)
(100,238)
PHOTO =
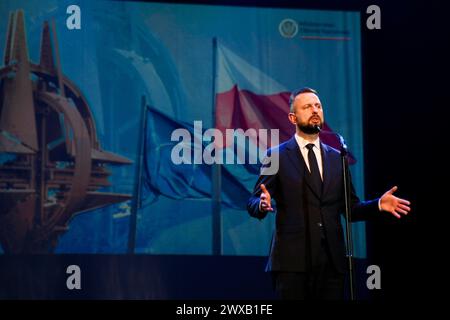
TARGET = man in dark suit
(307,254)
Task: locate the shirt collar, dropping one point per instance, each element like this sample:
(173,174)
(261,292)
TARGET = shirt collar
(302,142)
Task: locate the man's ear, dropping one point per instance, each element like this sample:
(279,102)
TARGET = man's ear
(292,118)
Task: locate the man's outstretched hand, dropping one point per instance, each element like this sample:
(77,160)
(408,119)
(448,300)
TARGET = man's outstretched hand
(394,205)
(265,200)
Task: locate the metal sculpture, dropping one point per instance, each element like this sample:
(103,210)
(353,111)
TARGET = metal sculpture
(55,165)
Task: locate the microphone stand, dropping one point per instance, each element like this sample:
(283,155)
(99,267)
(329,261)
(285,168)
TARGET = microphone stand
(348,209)
(348,214)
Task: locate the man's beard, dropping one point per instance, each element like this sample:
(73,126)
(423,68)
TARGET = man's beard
(310,128)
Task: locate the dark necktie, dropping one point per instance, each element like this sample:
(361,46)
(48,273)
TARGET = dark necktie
(313,215)
(314,169)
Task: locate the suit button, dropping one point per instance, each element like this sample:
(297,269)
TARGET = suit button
(319,224)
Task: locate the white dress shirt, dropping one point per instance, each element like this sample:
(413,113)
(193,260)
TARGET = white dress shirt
(304,150)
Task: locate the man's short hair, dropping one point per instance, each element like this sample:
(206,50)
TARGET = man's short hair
(296,93)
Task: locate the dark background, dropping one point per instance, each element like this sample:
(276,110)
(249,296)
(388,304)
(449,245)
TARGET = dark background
(404,106)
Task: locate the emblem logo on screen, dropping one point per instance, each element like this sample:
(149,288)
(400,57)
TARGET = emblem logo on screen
(288,28)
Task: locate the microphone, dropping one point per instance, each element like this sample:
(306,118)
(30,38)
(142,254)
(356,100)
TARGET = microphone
(317,127)
(344,149)
(342,141)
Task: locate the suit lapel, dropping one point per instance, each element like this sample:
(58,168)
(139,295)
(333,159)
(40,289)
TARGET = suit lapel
(327,169)
(295,156)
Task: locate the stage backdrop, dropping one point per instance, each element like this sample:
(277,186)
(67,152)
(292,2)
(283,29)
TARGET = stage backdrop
(147,69)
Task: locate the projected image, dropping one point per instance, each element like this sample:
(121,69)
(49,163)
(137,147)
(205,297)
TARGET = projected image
(140,127)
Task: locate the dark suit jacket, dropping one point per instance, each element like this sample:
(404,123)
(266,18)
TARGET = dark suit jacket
(297,203)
